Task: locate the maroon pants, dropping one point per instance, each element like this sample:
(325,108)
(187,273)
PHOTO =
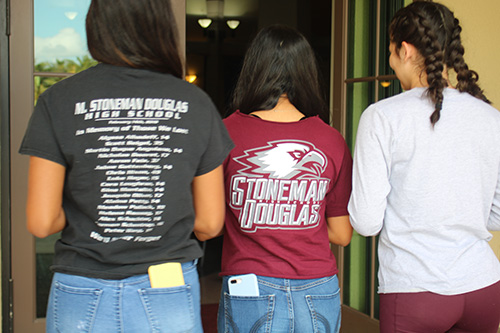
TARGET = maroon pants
(425,312)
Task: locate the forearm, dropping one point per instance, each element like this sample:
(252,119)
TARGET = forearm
(45,227)
(44,212)
(371,172)
(208,228)
(339,230)
(209,204)
(365,221)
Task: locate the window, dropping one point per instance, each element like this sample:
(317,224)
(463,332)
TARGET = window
(60,51)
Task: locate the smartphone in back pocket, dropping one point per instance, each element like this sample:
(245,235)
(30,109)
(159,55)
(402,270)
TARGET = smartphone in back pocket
(166,275)
(243,285)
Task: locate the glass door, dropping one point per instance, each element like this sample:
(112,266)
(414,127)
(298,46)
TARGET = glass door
(60,50)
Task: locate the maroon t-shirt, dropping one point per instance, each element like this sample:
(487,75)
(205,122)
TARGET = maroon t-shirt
(282,181)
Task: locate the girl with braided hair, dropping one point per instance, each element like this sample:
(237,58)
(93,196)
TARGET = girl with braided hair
(426,178)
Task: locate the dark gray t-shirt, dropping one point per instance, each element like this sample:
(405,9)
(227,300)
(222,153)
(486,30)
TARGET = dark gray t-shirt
(131,141)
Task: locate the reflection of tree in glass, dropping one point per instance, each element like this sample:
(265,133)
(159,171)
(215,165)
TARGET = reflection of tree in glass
(65,66)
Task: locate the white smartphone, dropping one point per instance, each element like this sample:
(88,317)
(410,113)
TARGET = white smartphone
(243,285)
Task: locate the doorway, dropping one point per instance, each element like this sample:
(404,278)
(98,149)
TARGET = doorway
(37,61)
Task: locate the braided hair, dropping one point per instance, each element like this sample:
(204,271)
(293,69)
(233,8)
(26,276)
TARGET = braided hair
(435,32)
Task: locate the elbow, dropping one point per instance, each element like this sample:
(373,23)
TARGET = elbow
(368,232)
(339,230)
(201,236)
(42,223)
(366,227)
(343,242)
(43,227)
(365,219)
(36,230)
(40,234)
(209,231)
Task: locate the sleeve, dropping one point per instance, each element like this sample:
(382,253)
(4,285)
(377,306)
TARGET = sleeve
(494,220)
(40,138)
(338,197)
(371,173)
(218,147)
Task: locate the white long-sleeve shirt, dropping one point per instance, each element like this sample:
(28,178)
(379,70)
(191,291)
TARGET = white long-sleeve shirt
(431,193)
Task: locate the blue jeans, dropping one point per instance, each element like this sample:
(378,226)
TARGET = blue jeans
(81,304)
(284,305)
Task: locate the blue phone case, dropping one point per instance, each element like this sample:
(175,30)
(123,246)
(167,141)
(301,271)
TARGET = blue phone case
(243,285)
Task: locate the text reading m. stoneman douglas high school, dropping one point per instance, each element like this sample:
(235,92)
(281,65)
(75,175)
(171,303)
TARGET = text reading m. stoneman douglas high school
(112,108)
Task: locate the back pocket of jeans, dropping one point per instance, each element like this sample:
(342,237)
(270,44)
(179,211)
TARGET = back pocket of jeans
(169,309)
(248,313)
(74,308)
(325,312)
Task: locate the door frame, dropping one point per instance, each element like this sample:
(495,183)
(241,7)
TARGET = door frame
(23,261)
(352,319)
(5,169)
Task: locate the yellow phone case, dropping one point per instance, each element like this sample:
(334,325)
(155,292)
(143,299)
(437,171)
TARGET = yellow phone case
(166,275)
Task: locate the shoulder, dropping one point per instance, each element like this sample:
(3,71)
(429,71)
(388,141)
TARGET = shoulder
(402,102)
(326,137)
(236,121)
(233,117)
(319,127)
(404,108)
(464,100)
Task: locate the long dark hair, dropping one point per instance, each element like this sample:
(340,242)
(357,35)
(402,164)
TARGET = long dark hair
(139,34)
(279,61)
(435,32)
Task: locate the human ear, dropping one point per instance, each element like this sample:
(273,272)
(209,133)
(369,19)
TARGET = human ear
(407,51)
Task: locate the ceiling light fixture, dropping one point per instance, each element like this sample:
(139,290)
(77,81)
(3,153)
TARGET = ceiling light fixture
(204,23)
(233,24)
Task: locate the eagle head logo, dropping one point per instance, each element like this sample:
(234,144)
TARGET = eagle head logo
(284,159)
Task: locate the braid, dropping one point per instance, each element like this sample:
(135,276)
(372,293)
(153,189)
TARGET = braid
(434,65)
(467,79)
(435,32)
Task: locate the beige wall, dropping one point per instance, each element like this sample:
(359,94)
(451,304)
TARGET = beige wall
(481,38)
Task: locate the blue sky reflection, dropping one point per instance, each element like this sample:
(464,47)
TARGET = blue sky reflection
(60,29)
